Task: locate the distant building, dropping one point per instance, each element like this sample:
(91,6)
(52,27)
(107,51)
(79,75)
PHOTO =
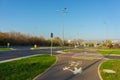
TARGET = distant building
(116,43)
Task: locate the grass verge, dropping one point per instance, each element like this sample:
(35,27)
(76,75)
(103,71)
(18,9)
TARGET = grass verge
(5,48)
(111,65)
(67,50)
(25,69)
(109,51)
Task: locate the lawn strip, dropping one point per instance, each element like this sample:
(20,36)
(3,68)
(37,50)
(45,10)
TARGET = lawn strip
(5,48)
(25,69)
(109,51)
(113,65)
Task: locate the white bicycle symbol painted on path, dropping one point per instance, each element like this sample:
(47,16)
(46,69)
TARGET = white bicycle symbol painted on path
(74,67)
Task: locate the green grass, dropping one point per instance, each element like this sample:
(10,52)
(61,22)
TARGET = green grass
(25,69)
(112,65)
(67,50)
(5,48)
(109,51)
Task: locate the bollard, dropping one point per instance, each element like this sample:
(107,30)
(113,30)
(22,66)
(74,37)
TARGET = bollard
(35,46)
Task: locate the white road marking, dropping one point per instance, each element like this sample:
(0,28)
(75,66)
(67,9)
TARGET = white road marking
(74,67)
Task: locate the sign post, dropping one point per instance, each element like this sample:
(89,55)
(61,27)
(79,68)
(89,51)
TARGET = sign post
(8,44)
(69,41)
(51,43)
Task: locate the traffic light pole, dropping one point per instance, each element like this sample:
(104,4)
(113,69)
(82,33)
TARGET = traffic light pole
(51,44)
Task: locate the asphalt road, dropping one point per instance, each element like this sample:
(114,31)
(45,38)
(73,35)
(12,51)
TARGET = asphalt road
(22,52)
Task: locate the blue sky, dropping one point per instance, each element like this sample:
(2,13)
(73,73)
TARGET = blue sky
(86,19)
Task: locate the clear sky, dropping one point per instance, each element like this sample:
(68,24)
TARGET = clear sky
(86,19)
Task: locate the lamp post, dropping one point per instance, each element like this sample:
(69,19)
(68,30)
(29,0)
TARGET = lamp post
(106,30)
(63,12)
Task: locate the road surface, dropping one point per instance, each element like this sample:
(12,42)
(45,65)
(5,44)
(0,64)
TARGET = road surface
(22,52)
(57,72)
(86,63)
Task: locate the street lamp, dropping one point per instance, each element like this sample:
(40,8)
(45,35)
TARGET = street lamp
(106,29)
(63,12)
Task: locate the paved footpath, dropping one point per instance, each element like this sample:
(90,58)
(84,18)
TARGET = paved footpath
(65,68)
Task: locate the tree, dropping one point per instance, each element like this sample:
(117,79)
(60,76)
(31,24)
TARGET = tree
(107,43)
(57,41)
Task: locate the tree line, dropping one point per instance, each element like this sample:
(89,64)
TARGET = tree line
(19,39)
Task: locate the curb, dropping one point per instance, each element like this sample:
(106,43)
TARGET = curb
(18,58)
(99,70)
(46,69)
(112,55)
(60,51)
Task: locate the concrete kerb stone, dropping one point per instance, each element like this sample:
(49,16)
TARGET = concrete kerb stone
(112,55)
(99,70)
(61,52)
(18,58)
(46,70)
(12,49)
